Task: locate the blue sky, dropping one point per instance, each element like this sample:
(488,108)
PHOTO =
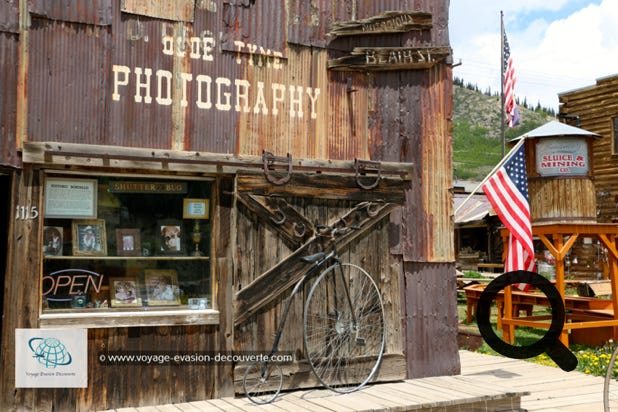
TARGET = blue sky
(557,45)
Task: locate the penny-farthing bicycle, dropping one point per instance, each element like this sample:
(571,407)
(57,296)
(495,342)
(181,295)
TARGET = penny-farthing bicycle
(610,384)
(343,327)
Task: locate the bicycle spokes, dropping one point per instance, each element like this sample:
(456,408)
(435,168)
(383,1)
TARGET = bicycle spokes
(610,384)
(344,328)
(263,382)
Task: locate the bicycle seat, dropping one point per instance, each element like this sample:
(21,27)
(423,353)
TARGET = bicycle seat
(313,258)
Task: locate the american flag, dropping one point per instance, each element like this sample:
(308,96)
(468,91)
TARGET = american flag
(510,106)
(507,191)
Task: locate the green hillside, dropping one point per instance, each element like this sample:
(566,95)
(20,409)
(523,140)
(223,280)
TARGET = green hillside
(476,131)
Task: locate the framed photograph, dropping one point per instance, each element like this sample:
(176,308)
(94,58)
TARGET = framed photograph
(170,237)
(52,240)
(70,198)
(124,292)
(128,242)
(89,237)
(195,208)
(162,287)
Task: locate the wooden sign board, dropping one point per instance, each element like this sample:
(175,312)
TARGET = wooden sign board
(70,198)
(562,157)
(388,22)
(147,187)
(389,58)
(176,10)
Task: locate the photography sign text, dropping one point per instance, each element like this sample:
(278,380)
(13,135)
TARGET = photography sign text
(147,85)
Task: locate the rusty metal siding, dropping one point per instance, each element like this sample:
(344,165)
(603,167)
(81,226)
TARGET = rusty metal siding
(429,316)
(436,163)
(8,98)
(212,130)
(97,12)
(310,21)
(437,36)
(9,16)
(348,103)
(68,70)
(260,23)
(281,132)
(348,123)
(137,46)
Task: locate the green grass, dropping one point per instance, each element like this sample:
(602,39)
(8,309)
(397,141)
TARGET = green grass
(473,274)
(477,140)
(591,360)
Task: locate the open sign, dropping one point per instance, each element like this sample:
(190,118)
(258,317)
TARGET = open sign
(63,284)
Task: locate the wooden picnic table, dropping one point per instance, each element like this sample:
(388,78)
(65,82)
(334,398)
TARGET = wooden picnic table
(559,238)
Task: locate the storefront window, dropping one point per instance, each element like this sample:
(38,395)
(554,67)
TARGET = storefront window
(116,243)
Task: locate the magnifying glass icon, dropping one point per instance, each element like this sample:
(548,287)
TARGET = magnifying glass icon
(550,343)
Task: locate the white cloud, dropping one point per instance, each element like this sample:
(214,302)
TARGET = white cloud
(557,45)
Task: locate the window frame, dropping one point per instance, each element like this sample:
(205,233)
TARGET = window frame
(129,316)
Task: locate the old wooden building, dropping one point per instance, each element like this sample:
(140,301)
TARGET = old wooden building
(595,108)
(166,162)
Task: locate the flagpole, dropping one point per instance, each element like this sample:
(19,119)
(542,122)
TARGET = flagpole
(494,170)
(502,69)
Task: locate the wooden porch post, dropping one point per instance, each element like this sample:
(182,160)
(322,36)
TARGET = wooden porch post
(560,283)
(610,242)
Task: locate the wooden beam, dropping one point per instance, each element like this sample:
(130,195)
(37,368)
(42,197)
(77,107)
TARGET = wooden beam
(75,154)
(559,254)
(294,228)
(609,242)
(270,285)
(323,186)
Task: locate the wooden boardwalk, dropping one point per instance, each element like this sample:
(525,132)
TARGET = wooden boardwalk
(551,389)
(487,383)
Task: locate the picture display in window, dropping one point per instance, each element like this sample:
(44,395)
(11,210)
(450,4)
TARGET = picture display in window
(149,245)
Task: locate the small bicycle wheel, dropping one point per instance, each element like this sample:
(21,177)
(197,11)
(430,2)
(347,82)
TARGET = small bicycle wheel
(262,382)
(344,351)
(610,384)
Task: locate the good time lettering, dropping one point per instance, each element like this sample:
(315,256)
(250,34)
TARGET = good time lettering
(147,85)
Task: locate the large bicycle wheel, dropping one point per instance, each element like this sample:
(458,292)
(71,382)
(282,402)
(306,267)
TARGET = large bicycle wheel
(610,385)
(344,351)
(262,382)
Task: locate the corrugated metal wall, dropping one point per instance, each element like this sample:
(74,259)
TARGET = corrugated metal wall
(428,319)
(68,69)
(9,16)
(97,12)
(135,118)
(331,120)
(260,23)
(9,52)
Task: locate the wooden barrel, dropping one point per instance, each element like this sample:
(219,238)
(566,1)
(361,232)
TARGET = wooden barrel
(562,200)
